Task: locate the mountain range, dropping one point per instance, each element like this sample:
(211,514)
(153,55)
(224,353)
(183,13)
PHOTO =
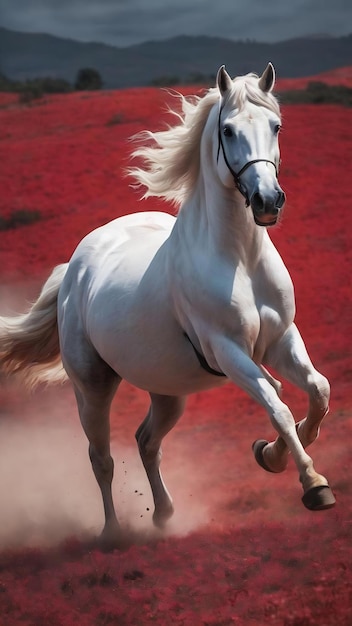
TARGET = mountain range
(28,55)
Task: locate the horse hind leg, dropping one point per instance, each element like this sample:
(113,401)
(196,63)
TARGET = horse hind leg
(95,384)
(163,414)
(94,411)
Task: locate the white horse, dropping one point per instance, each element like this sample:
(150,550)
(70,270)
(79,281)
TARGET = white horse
(175,306)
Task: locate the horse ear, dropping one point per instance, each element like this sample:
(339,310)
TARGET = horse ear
(267,79)
(223,80)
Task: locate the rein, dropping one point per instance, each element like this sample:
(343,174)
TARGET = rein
(237,175)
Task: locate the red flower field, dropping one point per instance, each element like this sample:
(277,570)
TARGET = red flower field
(241,548)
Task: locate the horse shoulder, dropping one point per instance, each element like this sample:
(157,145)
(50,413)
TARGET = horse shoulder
(272,275)
(274,295)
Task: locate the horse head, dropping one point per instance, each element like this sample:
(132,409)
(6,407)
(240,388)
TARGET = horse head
(248,148)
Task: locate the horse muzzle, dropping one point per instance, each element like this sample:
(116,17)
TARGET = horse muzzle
(267,209)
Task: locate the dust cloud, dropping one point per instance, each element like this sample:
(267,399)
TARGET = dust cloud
(48,492)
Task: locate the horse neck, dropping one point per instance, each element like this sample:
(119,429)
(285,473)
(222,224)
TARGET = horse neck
(216,219)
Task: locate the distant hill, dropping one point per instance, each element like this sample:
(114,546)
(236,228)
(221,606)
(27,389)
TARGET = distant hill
(26,55)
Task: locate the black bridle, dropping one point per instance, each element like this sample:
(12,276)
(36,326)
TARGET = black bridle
(237,175)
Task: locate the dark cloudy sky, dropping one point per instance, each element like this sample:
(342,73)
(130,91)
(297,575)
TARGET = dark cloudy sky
(126,22)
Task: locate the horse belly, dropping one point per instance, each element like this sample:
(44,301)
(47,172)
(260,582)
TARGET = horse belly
(129,319)
(151,352)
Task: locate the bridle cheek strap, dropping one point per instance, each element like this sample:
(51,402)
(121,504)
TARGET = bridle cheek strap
(237,175)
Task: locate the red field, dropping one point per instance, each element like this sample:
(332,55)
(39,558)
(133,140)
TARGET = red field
(241,549)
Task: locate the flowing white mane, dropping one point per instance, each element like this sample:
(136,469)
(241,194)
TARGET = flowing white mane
(172,157)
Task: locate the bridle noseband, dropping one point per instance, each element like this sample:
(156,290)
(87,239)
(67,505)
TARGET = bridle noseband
(237,175)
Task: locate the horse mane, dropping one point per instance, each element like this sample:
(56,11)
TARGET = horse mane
(171,157)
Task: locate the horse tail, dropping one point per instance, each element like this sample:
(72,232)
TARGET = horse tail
(29,343)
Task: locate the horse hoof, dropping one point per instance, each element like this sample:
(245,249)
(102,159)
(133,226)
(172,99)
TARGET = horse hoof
(160,518)
(319,498)
(110,537)
(258,447)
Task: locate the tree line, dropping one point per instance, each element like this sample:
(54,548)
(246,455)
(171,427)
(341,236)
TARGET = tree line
(316,92)
(87,79)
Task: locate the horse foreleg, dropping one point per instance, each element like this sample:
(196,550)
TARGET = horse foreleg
(274,383)
(273,457)
(162,416)
(290,358)
(242,370)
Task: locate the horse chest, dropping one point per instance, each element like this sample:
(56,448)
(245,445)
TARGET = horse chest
(276,310)
(258,311)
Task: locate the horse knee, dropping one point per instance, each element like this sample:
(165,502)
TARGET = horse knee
(103,466)
(319,392)
(142,433)
(163,414)
(149,450)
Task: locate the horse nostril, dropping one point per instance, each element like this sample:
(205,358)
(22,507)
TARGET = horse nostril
(280,200)
(267,205)
(258,204)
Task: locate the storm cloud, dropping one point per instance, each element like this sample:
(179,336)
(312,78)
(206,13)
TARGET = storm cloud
(128,22)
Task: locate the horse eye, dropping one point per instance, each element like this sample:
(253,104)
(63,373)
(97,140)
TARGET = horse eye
(228,132)
(277,128)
